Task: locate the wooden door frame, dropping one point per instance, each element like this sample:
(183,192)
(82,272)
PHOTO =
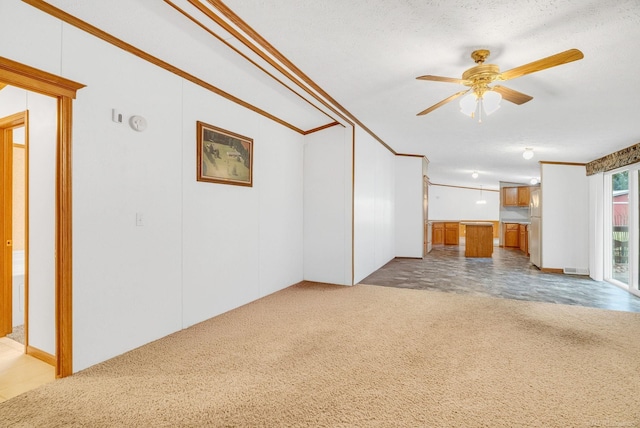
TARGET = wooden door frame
(64,90)
(7,125)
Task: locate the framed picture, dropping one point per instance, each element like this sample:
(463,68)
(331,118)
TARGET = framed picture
(223,156)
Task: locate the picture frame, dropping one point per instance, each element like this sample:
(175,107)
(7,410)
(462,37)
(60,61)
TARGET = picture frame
(223,156)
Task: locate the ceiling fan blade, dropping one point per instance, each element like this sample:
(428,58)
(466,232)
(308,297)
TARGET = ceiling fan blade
(443,79)
(443,102)
(542,64)
(511,95)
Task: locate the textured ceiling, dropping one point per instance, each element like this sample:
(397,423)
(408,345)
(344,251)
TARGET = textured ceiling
(366,55)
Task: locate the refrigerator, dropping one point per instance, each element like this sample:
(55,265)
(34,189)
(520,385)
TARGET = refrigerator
(535,228)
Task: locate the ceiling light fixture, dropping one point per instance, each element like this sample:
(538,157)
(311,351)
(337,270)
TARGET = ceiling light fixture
(534,181)
(474,174)
(481,201)
(479,101)
(528,153)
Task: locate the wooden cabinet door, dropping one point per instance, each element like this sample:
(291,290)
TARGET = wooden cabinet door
(511,235)
(451,233)
(510,196)
(437,234)
(523,237)
(523,196)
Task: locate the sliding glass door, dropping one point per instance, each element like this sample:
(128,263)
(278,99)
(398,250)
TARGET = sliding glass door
(622,228)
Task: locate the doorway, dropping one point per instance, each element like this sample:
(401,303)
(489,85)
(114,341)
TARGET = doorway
(14,203)
(63,91)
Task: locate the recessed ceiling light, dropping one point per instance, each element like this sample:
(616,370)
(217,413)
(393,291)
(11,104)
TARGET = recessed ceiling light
(534,181)
(475,174)
(528,153)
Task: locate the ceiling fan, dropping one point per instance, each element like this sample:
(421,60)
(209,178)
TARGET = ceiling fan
(484,98)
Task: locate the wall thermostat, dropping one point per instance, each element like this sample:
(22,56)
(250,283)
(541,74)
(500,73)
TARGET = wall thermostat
(138,123)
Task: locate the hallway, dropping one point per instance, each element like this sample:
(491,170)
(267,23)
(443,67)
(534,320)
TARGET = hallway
(508,274)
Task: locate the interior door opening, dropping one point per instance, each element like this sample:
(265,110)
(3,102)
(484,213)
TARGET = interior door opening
(19,217)
(13,157)
(62,91)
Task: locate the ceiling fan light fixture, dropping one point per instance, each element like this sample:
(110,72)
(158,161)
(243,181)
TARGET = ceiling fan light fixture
(469,104)
(472,105)
(528,153)
(491,102)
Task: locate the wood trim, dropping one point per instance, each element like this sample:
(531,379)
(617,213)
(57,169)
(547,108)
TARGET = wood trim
(88,28)
(6,254)
(13,121)
(409,155)
(464,187)
(353,204)
(562,163)
(64,267)
(26,228)
(16,74)
(320,128)
(297,73)
(233,48)
(41,355)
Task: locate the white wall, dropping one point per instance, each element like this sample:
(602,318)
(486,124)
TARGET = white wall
(240,243)
(409,222)
(204,248)
(42,155)
(126,278)
(459,203)
(374,216)
(565,217)
(596,226)
(327,205)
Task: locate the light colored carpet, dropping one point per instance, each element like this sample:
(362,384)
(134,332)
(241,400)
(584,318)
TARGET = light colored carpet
(17,334)
(329,356)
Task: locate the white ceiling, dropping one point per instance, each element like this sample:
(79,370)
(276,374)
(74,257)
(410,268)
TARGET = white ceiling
(366,55)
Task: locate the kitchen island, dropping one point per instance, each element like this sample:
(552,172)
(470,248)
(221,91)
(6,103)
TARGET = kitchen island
(479,239)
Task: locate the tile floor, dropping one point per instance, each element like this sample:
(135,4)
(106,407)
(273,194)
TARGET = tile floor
(508,274)
(20,372)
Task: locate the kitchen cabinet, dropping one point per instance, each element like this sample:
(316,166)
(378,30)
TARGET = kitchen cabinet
(479,239)
(510,196)
(524,238)
(515,196)
(512,235)
(451,233)
(523,196)
(437,234)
